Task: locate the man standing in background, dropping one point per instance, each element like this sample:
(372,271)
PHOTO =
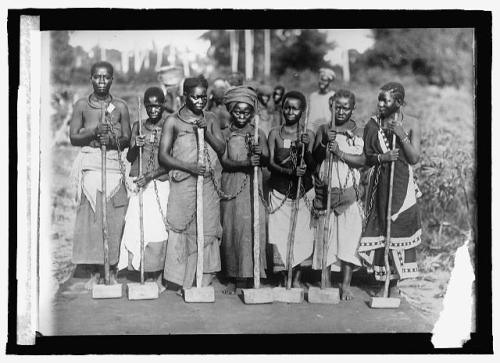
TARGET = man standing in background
(320,113)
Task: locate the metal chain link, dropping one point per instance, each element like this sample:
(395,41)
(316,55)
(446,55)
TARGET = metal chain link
(119,150)
(168,225)
(218,188)
(267,207)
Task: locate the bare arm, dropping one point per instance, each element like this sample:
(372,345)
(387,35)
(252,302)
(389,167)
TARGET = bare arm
(235,165)
(308,155)
(166,142)
(264,157)
(412,148)
(271,142)
(354,161)
(78,135)
(124,139)
(133,150)
(214,136)
(319,149)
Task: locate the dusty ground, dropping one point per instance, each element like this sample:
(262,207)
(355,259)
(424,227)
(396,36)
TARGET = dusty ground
(228,315)
(420,310)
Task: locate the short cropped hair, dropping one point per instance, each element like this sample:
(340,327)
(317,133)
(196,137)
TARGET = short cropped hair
(101,64)
(154,92)
(295,95)
(193,82)
(396,89)
(279,87)
(346,94)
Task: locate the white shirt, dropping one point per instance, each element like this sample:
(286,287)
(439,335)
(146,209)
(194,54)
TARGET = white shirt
(319,110)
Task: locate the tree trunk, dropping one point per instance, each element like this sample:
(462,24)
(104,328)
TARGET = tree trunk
(267,53)
(249,54)
(344,58)
(159,56)
(234,46)
(125,62)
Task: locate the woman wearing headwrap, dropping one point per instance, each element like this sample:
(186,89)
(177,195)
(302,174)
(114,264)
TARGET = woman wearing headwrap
(238,161)
(319,108)
(405,220)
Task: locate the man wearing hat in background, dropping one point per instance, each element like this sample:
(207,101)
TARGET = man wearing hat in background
(320,113)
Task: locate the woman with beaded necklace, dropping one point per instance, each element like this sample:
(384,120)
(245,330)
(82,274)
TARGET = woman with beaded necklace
(285,143)
(88,132)
(405,219)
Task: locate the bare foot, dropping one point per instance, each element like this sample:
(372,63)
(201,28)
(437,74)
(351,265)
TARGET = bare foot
(230,289)
(346,293)
(394,292)
(112,279)
(179,292)
(94,279)
(161,288)
(159,282)
(207,279)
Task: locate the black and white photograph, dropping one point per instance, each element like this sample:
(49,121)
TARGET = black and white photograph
(239,180)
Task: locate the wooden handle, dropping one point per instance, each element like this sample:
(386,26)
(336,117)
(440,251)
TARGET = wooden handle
(141,203)
(200,240)
(104,207)
(326,230)
(293,223)
(388,236)
(326,234)
(256,224)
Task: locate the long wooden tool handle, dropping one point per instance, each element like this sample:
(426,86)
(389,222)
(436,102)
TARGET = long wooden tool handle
(326,230)
(388,236)
(104,206)
(326,234)
(291,234)
(141,203)
(256,220)
(295,210)
(200,240)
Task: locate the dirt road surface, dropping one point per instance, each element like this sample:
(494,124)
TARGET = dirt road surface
(76,313)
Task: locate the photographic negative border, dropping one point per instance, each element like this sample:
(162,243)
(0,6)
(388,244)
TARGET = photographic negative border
(122,19)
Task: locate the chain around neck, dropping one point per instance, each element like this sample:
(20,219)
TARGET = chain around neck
(189,122)
(94,102)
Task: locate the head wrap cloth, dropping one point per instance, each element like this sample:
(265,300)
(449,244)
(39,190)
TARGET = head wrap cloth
(327,73)
(240,94)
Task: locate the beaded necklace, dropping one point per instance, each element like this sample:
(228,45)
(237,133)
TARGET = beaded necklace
(96,104)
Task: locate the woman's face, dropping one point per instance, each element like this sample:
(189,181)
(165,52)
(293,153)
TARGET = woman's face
(292,110)
(387,104)
(241,114)
(196,99)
